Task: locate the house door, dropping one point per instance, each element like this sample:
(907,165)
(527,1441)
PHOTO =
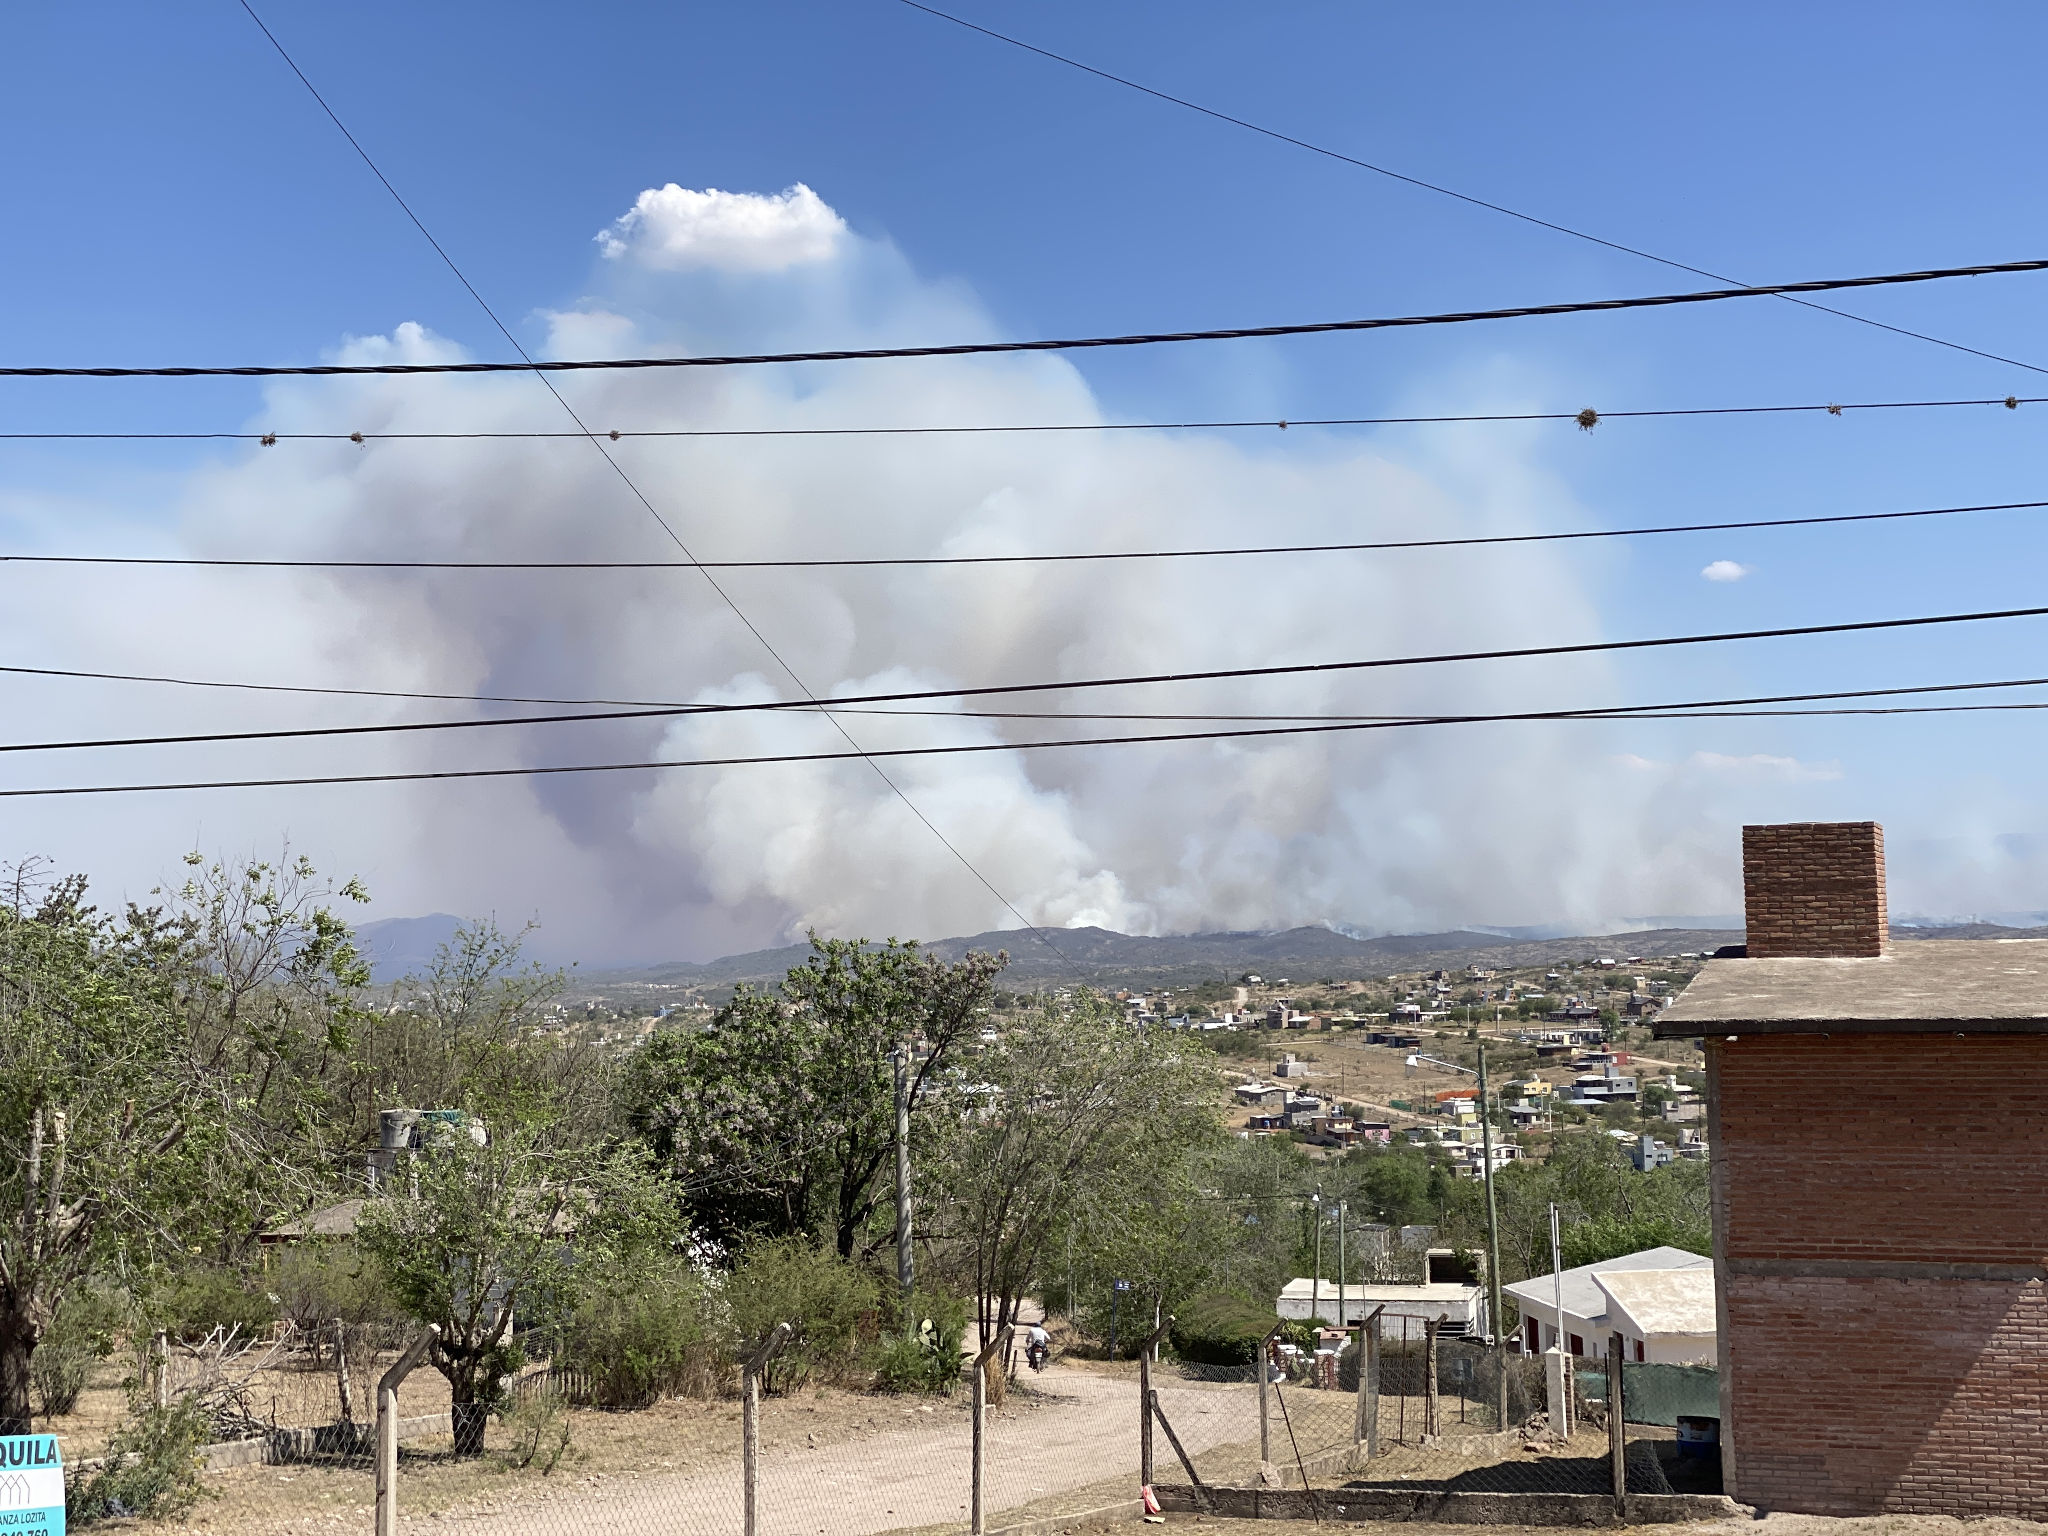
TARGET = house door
(1535,1344)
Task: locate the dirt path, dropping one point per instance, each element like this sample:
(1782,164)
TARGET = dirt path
(1069,1428)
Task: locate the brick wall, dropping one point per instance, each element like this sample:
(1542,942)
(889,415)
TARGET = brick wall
(1814,888)
(1882,1240)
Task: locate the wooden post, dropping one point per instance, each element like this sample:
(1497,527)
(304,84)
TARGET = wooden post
(1617,1433)
(387,1428)
(348,1405)
(160,1349)
(906,1264)
(1401,1434)
(977,1522)
(750,1424)
(1265,1398)
(1430,1426)
(1145,1357)
(1365,1428)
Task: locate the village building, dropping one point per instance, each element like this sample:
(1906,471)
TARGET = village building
(1589,1317)
(1458,1307)
(1876,1124)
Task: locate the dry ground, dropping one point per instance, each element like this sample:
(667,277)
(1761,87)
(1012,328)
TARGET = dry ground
(1770,1525)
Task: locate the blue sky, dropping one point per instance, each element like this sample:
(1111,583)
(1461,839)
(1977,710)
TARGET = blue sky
(174,196)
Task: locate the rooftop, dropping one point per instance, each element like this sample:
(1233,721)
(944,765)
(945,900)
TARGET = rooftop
(1981,986)
(1582,1294)
(1662,1301)
(1300,1288)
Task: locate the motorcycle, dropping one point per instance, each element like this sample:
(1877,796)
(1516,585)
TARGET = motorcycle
(1037,1354)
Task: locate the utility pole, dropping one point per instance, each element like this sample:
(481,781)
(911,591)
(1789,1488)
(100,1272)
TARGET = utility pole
(906,1267)
(1315,1284)
(1495,1316)
(1341,1320)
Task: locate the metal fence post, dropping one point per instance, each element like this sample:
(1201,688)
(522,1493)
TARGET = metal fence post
(750,1423)
(977,1515)
(1365,1428)
(1617,1434)
(387,1428)
(1265,1365)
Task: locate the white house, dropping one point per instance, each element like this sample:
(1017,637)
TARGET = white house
(1588,1311)
(1666,1316)
(1462,1308)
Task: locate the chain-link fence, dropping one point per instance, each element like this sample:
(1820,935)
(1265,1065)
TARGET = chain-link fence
(1671,1421)
(1412,1408)
(827,1458)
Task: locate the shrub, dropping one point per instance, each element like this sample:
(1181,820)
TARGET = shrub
(82,1334)
(202,1299)
(640,1335)
(927,1358)
(316,1282)
(540,1428)
(151,1470)
(1220,1329)
(829,1301)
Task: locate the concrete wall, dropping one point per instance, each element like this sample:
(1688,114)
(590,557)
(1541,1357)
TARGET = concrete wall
(1880,1253)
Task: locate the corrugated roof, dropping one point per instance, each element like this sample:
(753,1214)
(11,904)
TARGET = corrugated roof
(1662,1301)
(1582,1295)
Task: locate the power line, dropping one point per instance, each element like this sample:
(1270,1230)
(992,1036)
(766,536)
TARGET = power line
(1586,418)
(540,372)
(830,705)
(1066,344)
(1641,712)
(1058,558)
(1438,188)
(803,707)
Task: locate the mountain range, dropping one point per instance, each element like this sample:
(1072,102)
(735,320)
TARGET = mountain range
(1100,957)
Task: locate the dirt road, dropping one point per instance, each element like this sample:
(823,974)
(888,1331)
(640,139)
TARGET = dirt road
(1065,1430)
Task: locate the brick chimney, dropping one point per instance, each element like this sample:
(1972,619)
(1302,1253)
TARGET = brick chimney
(1814,888)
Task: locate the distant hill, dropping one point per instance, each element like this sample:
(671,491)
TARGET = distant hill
(1103,958)
(401,946)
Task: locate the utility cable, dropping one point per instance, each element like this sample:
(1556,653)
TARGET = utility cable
(1438,188)
(677,711)
(1641,712)
(1586,419)
(539,370)
(833,704)
(1058,558)
(1064,344)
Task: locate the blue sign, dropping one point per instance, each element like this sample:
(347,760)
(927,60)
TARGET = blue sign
(1123,1285)
(31,1486)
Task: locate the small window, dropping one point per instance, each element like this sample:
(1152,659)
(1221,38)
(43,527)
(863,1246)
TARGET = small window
(1578,1345)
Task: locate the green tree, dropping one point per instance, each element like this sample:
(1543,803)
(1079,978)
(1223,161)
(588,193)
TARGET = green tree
(777,1117)
(158,1076)
(1075,1123)
(470,1233)
(470,1033)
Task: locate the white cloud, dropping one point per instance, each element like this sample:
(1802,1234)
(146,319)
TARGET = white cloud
(675,229)
(1725,570)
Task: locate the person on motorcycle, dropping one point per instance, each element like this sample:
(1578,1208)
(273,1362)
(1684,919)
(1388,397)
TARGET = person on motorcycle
(1038,1345)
